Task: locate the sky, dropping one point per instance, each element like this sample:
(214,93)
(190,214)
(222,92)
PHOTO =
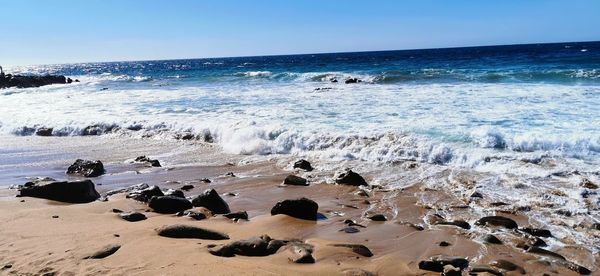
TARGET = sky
(68,31)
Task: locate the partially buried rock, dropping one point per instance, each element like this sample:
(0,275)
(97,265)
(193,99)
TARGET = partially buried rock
(357,248)
(537,232)
(295,180)
(145,159)
(459,223)
(491,239)
(133,216)
(378,217)
(237,215)
(350,178)
(485,269)
(169,204)
(302,208)
(303,164)
(499,221)
(211,200)
(44,131)
(104,252)
(187,187)
(146,194)
(352,80)
(586,183)
(86,168)
(192,214)
(71,192)
(254,246)
(181,231)
(507,266)
(302,253)
(438,262)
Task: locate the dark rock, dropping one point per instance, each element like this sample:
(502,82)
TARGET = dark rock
(537,232)
(378,217)
(146,194)
(334,80)
(44,131)
(104,252)
(302,208)
(193,214)
(350,230)
(586,183)
(302,253)
(169,204)
(507,265)
(86,168)
(151,162)
(71,192)
(181,231)
(477,195)
(295,180)
(130,189)
(237,215)
(211,200)
(444,244)
(486,269)
(133,216)
(175,193)
(544,252)
(20,81)
(459,223)
(54,216)
(491,239)
(356,248)
(497,221)
(205,180)
(303,164)
(187,187)
(254,246)
(352,80)
(574,267)
(231,174)
(116,211)
(353,223)
(438,262)
(350,178)
(7,266)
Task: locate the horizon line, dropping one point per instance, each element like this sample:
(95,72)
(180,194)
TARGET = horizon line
(315,53)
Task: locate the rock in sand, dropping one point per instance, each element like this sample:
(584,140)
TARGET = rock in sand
(169,204)
(212,201)
(181,231)
(86,168)
(71,192)
(302,208)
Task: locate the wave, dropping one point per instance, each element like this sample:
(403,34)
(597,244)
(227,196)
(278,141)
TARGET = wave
(388,147)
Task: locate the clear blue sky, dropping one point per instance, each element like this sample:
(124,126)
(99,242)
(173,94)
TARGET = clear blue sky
(61,31)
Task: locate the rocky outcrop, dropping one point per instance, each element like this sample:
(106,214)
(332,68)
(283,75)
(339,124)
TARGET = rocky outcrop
(86,168)
(212,201)
(145,194)
(71,192)
(302,208)
(19,81)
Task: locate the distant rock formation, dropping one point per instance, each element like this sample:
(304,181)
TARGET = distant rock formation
(9,80)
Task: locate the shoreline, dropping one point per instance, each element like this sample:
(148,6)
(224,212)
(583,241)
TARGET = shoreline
(397,245)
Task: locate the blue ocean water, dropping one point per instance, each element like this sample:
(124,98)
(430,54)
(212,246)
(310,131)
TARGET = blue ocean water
(461,106)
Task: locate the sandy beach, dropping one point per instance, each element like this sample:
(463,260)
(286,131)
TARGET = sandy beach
(41,236)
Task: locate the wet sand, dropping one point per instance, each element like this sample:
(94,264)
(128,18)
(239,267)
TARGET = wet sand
(33,242)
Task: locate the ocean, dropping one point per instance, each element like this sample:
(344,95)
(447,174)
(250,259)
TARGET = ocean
(474,107)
